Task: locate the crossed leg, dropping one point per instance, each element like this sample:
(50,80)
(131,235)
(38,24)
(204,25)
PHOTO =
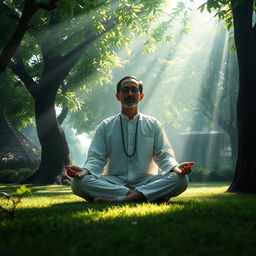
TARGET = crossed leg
(98,190)
(132,196)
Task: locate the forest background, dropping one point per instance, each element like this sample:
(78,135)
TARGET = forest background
(72,54)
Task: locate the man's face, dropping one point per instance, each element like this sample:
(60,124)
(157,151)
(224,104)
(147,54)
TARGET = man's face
(129,94)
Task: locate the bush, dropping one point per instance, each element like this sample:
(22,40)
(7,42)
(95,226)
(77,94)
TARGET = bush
(8,176)
(198,174)
(204,174)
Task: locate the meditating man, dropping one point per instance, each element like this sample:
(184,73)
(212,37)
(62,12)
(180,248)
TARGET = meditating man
(130,157)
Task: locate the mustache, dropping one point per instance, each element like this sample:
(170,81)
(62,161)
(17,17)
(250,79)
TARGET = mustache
(129,99)
(129,102)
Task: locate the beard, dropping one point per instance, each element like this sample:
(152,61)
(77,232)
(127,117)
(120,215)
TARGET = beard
(129,102)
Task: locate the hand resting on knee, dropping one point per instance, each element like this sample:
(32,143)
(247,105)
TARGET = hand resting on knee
(76,172)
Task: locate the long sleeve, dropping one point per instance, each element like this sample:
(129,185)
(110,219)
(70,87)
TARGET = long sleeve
(106,155)
(97,154)
(163,152)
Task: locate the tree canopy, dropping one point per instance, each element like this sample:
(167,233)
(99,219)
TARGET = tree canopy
(53,37)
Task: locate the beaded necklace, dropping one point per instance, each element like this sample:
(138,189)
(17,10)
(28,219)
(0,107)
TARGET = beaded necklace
(135,140)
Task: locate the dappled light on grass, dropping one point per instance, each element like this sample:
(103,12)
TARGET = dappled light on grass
(204,220)
(120,211)
(204,190)
(44,196)
(58,196)
(48,200)
(127,211)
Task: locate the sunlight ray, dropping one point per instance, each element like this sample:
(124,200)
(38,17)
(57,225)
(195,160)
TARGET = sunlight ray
(173,74)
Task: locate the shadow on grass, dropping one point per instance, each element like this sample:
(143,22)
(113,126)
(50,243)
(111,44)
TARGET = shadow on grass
(208,184)
(225,204)
(223,224)
(40,191)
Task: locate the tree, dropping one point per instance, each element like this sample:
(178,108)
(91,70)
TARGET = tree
(29,9)
(45,63)
(245,40)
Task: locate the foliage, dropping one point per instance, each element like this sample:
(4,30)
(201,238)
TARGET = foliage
(222,9)
(56,33)
(9,176)
(9,202)
(15,100)
(161,74)
(205,220)
(163,30)
(96,107)
(202,174)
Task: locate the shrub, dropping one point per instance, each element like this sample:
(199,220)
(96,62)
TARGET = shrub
(204,174)
(8,176)
(9,202)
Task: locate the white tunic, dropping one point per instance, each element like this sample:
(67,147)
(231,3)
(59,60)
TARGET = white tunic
(106,156)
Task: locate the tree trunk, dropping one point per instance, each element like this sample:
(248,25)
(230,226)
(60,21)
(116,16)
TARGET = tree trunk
(54,148)
(55,152)
(245,172)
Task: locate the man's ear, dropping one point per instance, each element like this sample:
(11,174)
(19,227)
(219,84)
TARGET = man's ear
(141,96)
(118,96)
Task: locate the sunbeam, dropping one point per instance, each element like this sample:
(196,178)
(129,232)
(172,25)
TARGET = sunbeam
(174,75)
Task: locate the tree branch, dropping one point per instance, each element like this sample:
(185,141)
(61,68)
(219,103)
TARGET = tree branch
(48,7)
(29,10)
(62,115)
(76,52)
(12,45)
(9,12)
(48,45)
(19,69)
(64,64)
(204,112)
(213,114)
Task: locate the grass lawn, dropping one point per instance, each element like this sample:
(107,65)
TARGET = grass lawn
(202,221)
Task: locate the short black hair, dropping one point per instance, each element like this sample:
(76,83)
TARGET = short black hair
(140,83)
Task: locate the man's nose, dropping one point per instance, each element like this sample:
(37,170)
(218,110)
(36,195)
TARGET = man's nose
(130,91)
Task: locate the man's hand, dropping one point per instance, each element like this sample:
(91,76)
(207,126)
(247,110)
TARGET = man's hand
(75,171)
(183,168)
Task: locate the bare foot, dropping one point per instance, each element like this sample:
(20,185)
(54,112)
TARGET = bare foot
(76,172)
(101,199)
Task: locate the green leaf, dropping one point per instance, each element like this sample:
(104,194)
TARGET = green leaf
(23,190)
(202,7)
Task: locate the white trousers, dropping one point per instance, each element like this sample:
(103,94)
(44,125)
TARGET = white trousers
(152,187)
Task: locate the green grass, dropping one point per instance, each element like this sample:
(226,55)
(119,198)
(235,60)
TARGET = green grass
(202,221)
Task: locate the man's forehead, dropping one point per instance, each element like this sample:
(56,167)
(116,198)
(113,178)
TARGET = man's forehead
(129,81)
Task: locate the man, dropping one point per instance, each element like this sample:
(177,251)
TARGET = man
(130,158)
